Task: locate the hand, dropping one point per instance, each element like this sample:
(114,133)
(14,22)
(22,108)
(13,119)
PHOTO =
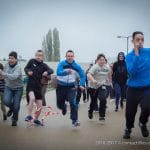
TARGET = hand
(82,88)
(45,73)
(69,71)
(94,81)
(30,73)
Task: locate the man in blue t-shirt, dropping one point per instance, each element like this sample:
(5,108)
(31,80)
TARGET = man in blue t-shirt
(138,92)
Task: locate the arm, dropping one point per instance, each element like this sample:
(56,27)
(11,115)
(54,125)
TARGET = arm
(48,70)
(82,77)
(90,75)
(132,64)
(28,67)
(60,70)
(14,75)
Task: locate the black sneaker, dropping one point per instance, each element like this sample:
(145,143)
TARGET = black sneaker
(116,109)
(144,130)
(14,123)
(4,117)
(90,115)
(37,122)
(102,119)
(127,133)
(9,113)
(64,110)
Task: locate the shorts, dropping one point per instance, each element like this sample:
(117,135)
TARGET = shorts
(37,92)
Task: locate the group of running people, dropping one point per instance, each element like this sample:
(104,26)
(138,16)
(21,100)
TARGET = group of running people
(129,77)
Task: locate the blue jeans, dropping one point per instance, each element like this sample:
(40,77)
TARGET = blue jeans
(12,99)
(120,90)
(68,94)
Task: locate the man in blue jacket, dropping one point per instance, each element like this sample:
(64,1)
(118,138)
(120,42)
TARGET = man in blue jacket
(138,92)
(67,72)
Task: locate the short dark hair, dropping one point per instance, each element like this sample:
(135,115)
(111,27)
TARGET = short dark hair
(69,51)
(13,54)
(99,56)
(39,50)
(1,66)
(135,33)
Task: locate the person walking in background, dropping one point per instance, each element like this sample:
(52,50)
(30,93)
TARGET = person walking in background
(138,92)
(98,76)
(13,87)
(2,86)
(35,70)
(67,72)
(120,76)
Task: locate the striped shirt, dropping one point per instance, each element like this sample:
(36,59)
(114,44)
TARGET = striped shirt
(2,85)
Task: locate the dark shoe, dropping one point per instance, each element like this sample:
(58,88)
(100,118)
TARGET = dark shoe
(9,113)
(90,115)
(127,133)
(37,122)
(144,130)
(14,123)
(28,118)
(4,117)
(102,119)
(116,109)
(64,110)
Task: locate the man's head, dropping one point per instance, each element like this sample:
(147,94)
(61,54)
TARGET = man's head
(39,55)
(101,59)
(70,56)
(12,58)
(138,39)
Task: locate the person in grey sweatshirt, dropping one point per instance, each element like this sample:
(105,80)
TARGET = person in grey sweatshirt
(13,87)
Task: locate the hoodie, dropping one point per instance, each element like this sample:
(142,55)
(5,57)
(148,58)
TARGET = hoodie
(120,74)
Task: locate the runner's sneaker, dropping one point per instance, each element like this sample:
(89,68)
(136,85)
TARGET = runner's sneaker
(144,130)
(37,122)
(127,133)
(75,123)
(102,120)
(28,118)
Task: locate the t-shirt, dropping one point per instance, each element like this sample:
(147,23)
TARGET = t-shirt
(100,74)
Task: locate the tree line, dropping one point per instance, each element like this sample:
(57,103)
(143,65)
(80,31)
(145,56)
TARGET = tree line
(51,46)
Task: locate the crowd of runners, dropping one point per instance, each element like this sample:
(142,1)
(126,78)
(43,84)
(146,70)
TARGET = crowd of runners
(127,79)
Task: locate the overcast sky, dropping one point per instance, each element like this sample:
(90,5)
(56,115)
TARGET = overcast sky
(88,27)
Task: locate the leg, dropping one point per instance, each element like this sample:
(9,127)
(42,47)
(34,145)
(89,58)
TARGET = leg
(8,94)
(2,103)
(78,97)
(145,107)
(39,108)
(92,93)
(133,99)
(31,102)
(16,102)
(117,95)
(102,97)
(44,87)
(71,96)
(61,97)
